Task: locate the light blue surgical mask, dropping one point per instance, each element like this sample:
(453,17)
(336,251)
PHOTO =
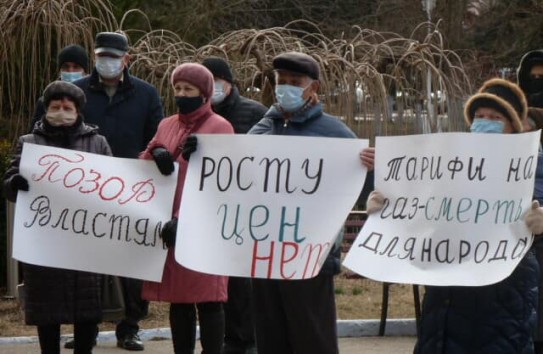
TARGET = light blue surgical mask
(71,76)
(218,94)
(109,68)
(290,97)
(484,125)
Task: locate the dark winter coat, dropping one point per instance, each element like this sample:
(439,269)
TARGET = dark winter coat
(52,295)
(493,319)
(240,111)
(311,121)
(129,119)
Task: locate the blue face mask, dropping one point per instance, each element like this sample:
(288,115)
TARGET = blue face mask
(289,97)
(70,76)
(483,125)
(218,94)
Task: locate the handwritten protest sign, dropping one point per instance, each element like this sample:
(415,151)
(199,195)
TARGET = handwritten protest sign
(454,208)
(92,213)
(266,206)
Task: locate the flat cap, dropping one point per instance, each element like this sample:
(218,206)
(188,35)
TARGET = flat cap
(297,62)
(111,42)
(58,89)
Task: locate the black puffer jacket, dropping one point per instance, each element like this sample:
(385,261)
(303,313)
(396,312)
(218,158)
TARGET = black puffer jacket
(52,295)
(240,111)
(492,319)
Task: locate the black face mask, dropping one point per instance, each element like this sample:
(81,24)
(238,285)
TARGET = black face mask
(535,85)
(535,100)
(187,105)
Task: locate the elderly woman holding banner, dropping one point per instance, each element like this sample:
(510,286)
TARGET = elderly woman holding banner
(60,296)
(185,289)
(497,318)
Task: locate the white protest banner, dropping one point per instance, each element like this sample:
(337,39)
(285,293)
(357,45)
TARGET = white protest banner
(453,212)
(266,206)
(92,213)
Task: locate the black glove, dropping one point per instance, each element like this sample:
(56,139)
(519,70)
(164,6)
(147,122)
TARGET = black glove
(168,234)
(189,147)
(18,183)
(163,160)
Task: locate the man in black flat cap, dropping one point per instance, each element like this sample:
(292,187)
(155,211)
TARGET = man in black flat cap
(127,111)
(243,113)
(298,316)
(73,64)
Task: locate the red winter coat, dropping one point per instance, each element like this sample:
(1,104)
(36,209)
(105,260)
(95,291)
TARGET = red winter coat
(179,284)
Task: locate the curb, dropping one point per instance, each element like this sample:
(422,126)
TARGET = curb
(345,328)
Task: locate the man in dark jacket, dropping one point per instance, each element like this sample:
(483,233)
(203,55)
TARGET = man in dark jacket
(530,80)
(127,111)
(73,64)
(243,113)
(298,316)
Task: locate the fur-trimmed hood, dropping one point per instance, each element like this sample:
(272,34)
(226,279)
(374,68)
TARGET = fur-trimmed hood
(502,95)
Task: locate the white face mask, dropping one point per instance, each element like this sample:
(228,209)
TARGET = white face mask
(109,68)
(61,118)
(218,94)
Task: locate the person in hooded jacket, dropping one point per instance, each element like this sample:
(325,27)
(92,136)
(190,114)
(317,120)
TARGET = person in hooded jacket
(59,296)
(298,316)
(530,80)
(186,290)
(496,318)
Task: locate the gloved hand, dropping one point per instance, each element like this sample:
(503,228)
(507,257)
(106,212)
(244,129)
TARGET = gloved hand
(18,183)
(168,234)
(189,147)
(534,218)
(375,202)
(163,160)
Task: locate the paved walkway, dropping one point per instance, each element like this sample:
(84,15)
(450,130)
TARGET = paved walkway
(358,345)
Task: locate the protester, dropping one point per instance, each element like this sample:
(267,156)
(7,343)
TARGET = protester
(497,318)
(58,296)
(73,64)
(127,111)
(187,290)
(298,316)
(530,80)
(242,113)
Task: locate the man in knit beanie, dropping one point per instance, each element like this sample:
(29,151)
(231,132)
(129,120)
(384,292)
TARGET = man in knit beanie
(242,113)
(73,64)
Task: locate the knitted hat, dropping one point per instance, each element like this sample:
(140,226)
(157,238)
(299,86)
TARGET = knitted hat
(111,42)
(196,74)
(76,54)
(58,89)
(297,62)
(219,68)
(503,96)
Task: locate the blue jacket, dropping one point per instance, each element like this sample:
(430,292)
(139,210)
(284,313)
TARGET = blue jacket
(311,121)
(493,319)
(129,119)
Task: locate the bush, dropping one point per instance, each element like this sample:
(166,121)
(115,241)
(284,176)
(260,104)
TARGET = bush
(5,153)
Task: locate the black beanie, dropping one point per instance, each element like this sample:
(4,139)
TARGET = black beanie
(219,68)
(76,54)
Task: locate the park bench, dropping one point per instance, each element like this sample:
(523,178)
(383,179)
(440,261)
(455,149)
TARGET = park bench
(353,225)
